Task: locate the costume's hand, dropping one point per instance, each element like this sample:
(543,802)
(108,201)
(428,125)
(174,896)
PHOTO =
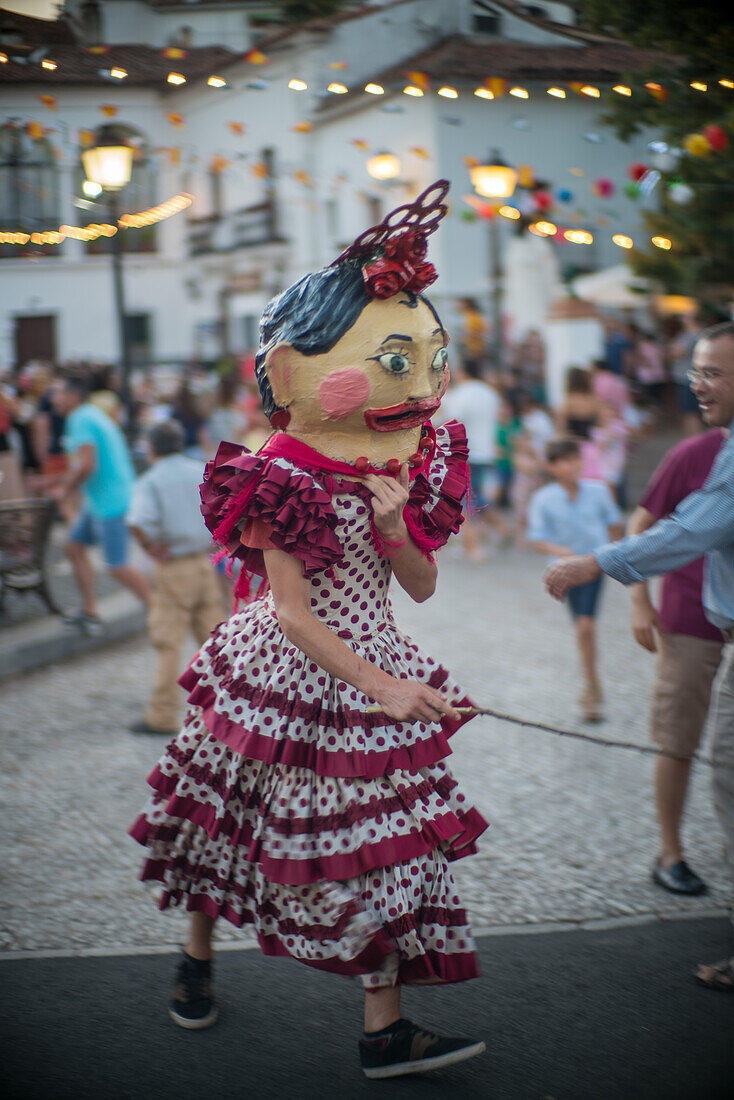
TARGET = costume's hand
(389,497)
(411,701)
(569,573)
(645,622)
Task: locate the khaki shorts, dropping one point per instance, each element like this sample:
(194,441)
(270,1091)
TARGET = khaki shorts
(685,671)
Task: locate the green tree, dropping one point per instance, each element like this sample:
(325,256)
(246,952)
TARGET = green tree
(695,44)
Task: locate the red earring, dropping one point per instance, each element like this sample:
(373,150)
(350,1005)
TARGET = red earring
(280,419)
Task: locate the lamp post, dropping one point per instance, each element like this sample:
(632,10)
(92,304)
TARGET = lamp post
(108,163)
(495,179)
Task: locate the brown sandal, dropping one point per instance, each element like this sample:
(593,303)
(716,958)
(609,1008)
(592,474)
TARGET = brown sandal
(720,976)
(590,708)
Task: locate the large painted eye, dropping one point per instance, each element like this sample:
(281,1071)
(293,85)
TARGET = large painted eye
(440,359)
(393,362)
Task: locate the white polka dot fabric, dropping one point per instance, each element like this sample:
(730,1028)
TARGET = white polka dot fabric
(283,804)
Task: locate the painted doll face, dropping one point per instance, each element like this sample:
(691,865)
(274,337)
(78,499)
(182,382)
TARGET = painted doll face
(369,395)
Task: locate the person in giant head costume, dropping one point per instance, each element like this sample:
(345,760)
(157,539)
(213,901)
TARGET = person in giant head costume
(307,793)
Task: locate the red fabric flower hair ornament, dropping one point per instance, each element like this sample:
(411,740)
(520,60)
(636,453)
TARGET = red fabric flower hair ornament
(393,254)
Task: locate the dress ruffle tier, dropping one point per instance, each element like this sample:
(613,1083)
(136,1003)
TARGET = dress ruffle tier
(283,803)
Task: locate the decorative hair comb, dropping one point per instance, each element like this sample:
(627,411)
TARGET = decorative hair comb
(393,254)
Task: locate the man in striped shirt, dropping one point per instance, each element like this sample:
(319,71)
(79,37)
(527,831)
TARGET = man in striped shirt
(701,524)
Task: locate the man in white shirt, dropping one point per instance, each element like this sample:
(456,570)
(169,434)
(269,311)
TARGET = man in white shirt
(476,405)
(166,520)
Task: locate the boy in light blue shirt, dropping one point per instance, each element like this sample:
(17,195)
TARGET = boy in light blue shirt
(102,471)
(571,516)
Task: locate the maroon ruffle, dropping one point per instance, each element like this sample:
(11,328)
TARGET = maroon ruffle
(432,967)
(304,754)
(430,528)
(456,832)
(239,486)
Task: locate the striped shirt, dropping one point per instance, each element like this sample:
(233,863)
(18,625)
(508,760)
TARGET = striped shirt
(703,523)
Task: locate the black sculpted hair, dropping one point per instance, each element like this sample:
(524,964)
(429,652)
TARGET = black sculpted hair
(313,315)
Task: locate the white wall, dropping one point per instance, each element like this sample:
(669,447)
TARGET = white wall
(183,293)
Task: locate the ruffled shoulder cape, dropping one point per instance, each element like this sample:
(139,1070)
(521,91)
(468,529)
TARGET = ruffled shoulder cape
(285,505)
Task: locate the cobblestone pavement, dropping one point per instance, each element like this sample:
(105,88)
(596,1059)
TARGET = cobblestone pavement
(572,832)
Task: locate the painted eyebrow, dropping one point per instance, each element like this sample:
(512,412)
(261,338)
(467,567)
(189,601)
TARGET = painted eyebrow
(397,336)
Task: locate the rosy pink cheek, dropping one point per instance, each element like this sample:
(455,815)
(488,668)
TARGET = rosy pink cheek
(343,392)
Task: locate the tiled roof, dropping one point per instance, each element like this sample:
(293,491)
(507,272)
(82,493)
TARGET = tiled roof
(461,59)
(32,32)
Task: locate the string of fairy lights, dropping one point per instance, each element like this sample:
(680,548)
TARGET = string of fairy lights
(415,85)
(95,230)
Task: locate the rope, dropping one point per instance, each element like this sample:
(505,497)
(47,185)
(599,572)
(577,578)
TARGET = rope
(576,735)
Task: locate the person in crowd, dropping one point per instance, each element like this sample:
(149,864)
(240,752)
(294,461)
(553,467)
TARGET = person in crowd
(186,409)
(681,362)
(48,433)
(528,459)
(103,392)
(100,466)
(578,414)
(227,419)
(610,387)
(688,651)
(475,404)
(165,519)
(11,475)
(565,518)
(610,440)
(617,346)
(529,365)
(702,524)
(474,331)
(31,382)
(509,427)
(648,365)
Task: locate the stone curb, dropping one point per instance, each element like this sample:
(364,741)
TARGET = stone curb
(491,931)
(47,641)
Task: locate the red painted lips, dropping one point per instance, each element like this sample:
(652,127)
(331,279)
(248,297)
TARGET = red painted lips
(399,417)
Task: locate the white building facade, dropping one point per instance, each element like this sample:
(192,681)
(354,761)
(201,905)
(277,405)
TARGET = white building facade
(278,177)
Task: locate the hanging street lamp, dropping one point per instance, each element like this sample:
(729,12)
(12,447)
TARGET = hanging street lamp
(108,165)
(496,180)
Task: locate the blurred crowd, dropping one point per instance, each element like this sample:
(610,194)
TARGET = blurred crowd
(640,383)
(209,404)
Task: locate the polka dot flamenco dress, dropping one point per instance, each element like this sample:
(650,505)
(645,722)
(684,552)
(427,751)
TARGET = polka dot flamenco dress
(283,803)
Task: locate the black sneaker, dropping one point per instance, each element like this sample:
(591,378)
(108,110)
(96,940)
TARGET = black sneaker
(404,1048)
(192,1004)
(678,879)
(85,624)
(146,728)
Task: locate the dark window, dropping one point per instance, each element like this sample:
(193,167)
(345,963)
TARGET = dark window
(29,187)
(485,20)
(35,338)
(137,330)
(374,209)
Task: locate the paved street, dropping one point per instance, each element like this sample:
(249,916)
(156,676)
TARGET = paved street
(572,835)
(567,857)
